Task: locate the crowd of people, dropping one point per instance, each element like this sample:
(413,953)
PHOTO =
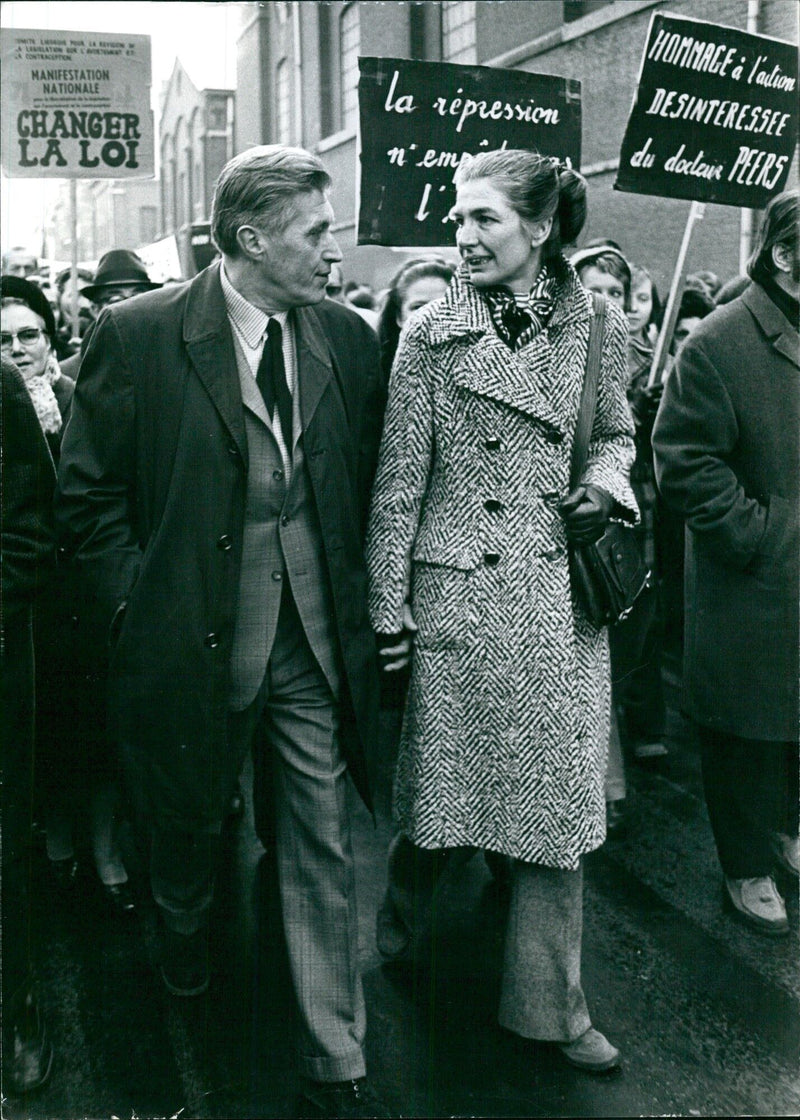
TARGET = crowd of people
(240,510)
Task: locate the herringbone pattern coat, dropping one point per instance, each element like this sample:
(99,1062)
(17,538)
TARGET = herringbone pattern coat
(506,726)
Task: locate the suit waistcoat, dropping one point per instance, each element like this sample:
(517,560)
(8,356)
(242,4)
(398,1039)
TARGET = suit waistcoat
(282,541)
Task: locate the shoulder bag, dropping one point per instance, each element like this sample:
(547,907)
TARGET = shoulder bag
(609,575)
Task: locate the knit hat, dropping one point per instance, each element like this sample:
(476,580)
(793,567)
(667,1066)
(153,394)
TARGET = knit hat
(15,287)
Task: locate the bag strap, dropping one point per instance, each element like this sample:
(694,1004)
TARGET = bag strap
(585,421)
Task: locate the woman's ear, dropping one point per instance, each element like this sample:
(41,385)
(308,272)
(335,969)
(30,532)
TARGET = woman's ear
(540,231)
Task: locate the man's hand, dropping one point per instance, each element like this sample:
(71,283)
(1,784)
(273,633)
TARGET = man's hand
(586,511)
(394,650)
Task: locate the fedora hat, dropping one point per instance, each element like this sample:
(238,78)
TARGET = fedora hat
(117,268)
(14,287)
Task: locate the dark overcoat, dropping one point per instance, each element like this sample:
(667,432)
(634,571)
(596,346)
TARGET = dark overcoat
(150,505)
(727,455)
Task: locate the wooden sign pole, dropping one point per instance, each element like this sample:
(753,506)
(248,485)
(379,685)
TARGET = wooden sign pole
(696,212)
(73,279)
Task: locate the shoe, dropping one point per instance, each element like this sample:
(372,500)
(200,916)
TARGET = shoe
(64,872)
(340,1099)
(616,822)
(787,852)
(591,1052)
(184,962)
(645,752)
(119,896)
(234,810)
(392,936)
(757,903)
(32,1059)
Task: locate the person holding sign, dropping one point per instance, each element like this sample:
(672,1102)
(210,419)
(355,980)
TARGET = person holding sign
(727,444)
(506,727)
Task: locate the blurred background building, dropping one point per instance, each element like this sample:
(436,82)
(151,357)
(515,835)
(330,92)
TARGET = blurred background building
(297,77)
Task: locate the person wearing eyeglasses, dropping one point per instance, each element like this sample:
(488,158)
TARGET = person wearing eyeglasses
(28,336)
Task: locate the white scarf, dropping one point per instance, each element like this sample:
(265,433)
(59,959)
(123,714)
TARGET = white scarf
(40,388)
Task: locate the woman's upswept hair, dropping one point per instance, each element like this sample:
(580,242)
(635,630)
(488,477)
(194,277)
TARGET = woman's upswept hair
(259,188)
(779,227)
(537,187)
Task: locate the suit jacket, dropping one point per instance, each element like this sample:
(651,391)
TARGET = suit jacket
(151,505)
(727,453)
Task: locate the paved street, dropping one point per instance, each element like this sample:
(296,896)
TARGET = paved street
(706,1013)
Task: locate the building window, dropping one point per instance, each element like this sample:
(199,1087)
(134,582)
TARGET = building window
(349,37)
(577,9)
(458,32)
(283,114)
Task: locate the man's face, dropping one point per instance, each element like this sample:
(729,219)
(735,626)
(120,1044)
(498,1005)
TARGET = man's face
(116,293)
(20,264)
(295,268)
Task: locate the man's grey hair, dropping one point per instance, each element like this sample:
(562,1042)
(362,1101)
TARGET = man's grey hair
(259,188)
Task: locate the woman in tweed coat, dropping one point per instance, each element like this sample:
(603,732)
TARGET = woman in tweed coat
(506,727)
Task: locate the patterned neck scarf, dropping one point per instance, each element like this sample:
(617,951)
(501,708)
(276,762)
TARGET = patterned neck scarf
(518,321)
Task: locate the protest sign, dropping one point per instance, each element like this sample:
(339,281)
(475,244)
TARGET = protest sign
(715,115)
(419,119)
(76,104)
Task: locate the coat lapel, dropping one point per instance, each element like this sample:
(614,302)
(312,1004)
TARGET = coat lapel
(522,380)
(209,343)
(314,365)
(773,323)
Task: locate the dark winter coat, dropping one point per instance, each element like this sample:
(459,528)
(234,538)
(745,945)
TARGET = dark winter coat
(151,497)
(727,456)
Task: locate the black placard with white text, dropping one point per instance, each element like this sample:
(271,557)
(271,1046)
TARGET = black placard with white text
(715,115)
(419,119)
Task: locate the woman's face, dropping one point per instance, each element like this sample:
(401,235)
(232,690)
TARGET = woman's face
(30,358)
(418,293)
(594,280)
(493,240)
(641,305)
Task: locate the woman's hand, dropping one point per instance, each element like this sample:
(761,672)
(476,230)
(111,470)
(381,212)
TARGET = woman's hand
(585,512)
(394,650)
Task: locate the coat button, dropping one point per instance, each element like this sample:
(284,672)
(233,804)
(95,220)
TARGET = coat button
(285,519)
(233,451)
(492,444)
(225,543)
(277,576)
(491,559)
(278,476)
(491,505)
(553,554)
(553,436)
(212,641)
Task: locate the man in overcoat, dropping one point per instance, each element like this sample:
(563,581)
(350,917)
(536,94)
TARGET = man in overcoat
(213,491)
(727,449)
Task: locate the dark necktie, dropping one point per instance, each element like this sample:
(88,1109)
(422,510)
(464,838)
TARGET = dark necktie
(271,380)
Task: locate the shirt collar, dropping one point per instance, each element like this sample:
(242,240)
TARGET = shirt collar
(249,320)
